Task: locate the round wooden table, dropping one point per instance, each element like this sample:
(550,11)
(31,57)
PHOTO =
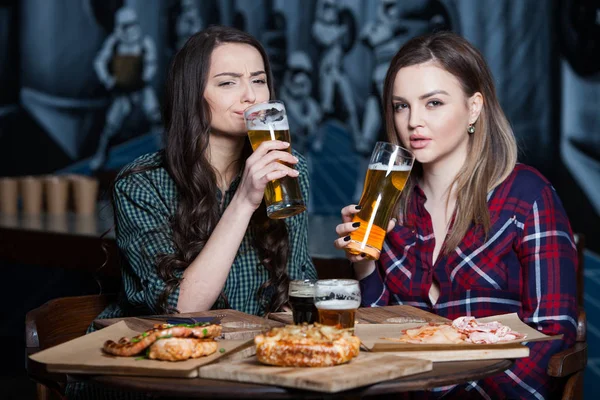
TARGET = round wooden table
(442,374)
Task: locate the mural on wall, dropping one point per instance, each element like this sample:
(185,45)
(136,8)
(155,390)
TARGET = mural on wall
(125,65)
(88,86)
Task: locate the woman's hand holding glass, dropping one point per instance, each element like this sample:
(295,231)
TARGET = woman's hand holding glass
(344,229)
(265,164)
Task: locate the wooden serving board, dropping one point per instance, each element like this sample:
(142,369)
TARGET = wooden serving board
(84,355)
(365,369)
(236,324)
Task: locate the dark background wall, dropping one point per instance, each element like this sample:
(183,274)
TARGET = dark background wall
(54,108)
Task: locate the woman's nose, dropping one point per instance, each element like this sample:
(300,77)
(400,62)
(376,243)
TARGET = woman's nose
(415,118)
(248,96)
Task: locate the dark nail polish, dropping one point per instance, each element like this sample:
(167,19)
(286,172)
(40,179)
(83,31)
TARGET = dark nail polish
(356,224)
(357,207)
(346,238)
(363,255)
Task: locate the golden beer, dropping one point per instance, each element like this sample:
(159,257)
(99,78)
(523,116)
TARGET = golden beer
(383,186)
(283,196)
(338,313)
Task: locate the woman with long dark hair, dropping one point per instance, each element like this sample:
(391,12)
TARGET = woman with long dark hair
(476,232)
(190,220)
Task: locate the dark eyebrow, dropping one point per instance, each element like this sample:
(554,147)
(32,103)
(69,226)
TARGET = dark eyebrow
(426,95)
(233,74)
(433,93)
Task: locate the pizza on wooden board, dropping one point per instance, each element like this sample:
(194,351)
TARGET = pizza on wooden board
(306,346)
(461,330)
(168,342)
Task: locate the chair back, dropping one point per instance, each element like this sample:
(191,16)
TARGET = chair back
(55,322)
(570,363)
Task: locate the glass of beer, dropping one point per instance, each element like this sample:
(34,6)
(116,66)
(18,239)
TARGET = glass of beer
(302,300)
(337,301)
(268,121)
(388,171)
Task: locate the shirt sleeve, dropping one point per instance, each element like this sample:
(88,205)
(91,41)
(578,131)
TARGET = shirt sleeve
(374,291)
(143,233)
(300,264)
(548,257)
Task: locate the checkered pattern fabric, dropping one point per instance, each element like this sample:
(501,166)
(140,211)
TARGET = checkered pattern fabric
(526,264)
(146,202)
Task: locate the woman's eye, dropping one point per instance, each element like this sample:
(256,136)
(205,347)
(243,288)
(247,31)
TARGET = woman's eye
(400,106)
(260,81)
(225,84)
(435,103)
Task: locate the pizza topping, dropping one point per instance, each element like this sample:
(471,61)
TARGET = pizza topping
(306,346)
(485,332)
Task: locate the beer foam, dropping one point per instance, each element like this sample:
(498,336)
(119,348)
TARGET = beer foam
(307,292)
(384,167)
(262,123)
(338,304)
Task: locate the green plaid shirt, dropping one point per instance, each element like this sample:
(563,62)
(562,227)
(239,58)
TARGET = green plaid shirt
(145,203)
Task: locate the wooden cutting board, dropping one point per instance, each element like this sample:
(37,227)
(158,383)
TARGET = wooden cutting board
(366,369)
(372,338)
(236,324)
(84,355)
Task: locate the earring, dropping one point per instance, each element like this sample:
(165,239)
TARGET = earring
(471,129)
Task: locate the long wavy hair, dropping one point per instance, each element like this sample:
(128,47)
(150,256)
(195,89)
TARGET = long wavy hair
(492,147)
(187,118)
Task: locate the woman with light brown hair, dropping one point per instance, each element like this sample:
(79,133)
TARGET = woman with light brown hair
(476,232)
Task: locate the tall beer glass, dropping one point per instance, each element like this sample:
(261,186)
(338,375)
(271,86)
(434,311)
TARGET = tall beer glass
(302,300)
(337,301)
(388,171)
(268,121)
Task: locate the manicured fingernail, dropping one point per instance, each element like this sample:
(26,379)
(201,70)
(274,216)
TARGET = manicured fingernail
(347,238)
(357,207)
(363,255)
(356,224)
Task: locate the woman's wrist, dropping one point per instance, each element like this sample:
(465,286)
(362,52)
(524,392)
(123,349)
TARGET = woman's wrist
(362,269)
(241,206)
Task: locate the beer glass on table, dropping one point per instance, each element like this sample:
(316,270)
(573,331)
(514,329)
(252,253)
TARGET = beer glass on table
(302,301)
(268,121)
(388,172)
(337,301)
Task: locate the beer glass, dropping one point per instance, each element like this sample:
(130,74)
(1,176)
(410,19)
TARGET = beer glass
(302,300)
(268,121)
(337,301)
(388,171)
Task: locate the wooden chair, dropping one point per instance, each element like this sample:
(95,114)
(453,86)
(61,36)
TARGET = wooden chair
(53,323)
(570,364)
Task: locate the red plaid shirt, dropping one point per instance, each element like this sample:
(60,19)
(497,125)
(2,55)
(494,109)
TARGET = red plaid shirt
(527,265)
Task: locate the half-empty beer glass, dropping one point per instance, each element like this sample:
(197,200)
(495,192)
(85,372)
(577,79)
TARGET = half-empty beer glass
(337,301)
(302,300)
(388,171)
(268,121)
